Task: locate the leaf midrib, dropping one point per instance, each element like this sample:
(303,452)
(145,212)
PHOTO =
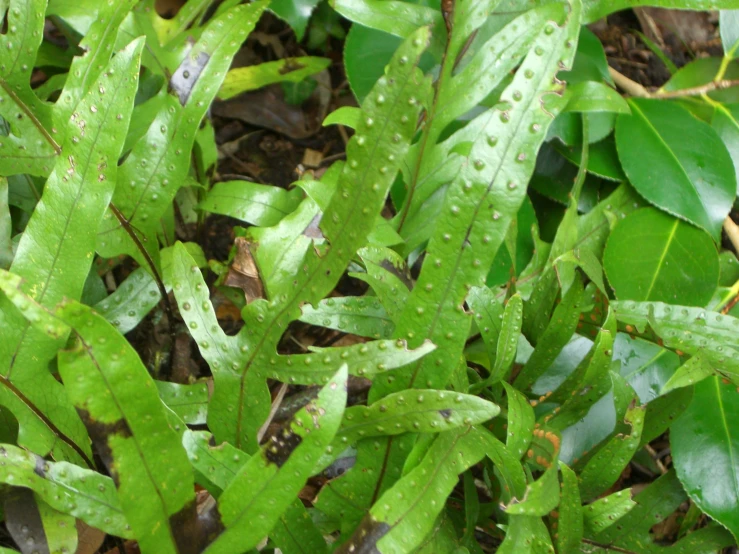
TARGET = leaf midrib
(672,155)
(663,255)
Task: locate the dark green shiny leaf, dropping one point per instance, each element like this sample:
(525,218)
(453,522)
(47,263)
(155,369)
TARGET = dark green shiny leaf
(705,447)
(675,262)
(652,150)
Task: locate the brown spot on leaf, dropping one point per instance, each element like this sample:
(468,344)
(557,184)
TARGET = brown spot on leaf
(243,273)
(313,231)
(364,540)
(194,529)
(40,467)
(446,413)
(281,445)
(401,273)
(290,66)
(100,432)
(186,75)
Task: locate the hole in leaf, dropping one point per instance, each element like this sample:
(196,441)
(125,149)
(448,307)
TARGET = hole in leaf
(167,9)
(4,26)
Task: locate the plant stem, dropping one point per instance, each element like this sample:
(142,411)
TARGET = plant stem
(157,278)
(732,231)
(635,89)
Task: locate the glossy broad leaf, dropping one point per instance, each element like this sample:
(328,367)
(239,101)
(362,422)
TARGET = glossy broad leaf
(729,27)
(651,256)
(705,447)
(296,12)
(592,96)
(653,150)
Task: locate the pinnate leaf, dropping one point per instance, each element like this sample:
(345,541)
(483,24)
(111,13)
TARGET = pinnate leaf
(108,383)
(690,330)
(405,514)
(266,485)
(359,315)
(56,250)
(421,411)
(374,155)
(158,164)
(83,493)
(29,146)
(251,202)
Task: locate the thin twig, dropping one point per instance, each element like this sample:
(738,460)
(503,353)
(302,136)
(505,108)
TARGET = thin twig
(732,231)
(343,133)
(332,158)
(275,406)
(655,458)
(608,546)
(699,90)
(627,85)
(157,278)
(635,89)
